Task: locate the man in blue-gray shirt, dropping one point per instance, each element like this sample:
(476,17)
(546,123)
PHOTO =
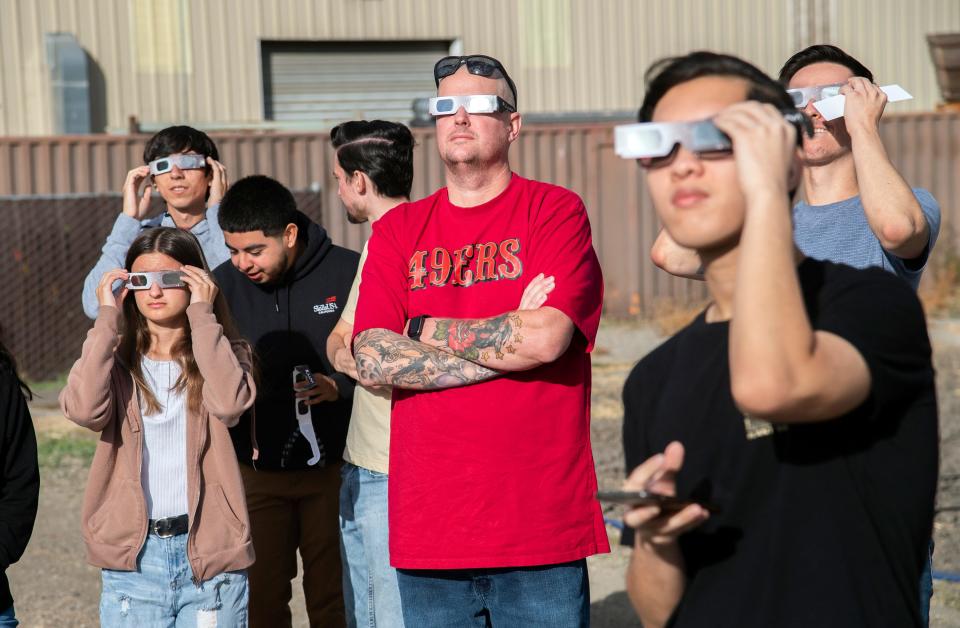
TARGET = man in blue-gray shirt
(182,165)
(857,209)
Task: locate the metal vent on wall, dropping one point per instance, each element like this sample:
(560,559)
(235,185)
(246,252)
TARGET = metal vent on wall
(70,84)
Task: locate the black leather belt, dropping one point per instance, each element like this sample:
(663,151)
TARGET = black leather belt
(171,526)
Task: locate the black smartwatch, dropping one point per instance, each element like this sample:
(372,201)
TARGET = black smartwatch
(416,326)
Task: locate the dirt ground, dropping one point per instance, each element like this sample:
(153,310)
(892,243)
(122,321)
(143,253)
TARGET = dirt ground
(53,586)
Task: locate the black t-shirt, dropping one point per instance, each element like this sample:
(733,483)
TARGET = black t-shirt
(821,524)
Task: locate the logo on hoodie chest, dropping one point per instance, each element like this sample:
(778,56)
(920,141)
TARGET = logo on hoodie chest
(329,306)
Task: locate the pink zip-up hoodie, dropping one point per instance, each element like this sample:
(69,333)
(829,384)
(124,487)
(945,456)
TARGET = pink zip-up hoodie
(100,395)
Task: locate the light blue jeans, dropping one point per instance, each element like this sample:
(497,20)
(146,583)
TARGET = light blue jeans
(370,588)
(161,592)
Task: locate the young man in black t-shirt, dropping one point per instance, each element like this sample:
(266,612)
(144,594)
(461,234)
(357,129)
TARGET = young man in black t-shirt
(800,403)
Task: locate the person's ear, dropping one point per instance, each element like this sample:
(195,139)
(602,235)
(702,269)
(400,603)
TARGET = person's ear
(360,182)
(515,124)
(289,236)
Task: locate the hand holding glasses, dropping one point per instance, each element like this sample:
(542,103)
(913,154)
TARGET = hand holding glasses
(654,144)
(828,101)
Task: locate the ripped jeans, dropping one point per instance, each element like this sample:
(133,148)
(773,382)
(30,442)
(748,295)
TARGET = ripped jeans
(161,592)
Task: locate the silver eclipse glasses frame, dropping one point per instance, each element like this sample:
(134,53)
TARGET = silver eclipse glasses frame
(145,281)
(650,140)
(187,161)
(478,103)
(802,95)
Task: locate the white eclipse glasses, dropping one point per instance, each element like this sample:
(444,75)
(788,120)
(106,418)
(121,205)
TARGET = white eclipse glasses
(164,278)
(485,103)
(187,161)
(802,95)
(829,102)
(654,144)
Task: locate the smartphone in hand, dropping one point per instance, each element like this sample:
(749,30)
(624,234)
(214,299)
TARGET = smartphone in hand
(645,498)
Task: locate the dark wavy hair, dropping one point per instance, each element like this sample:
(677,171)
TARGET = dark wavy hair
(666,74)
(382,150)
(822,53)
(135,336)
(8,364)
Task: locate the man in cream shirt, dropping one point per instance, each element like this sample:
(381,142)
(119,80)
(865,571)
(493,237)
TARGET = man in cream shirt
(374,171)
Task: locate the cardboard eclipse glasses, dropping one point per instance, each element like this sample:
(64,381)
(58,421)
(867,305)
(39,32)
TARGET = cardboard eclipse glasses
(802,95)
(485,103)
(829,102)
(164,278)
(188,161)
(655,143)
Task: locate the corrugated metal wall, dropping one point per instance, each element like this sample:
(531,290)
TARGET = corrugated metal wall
(925,147)
(889,36)
(199,62)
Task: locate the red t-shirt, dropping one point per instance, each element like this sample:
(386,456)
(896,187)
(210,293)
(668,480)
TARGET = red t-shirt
(497,474)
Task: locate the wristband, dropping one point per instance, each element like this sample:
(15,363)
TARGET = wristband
(416,326)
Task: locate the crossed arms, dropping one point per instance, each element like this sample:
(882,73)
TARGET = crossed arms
(457,352)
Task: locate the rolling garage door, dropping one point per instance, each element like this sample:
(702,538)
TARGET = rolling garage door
(317,85)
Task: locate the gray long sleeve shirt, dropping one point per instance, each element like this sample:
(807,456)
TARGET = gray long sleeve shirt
(125,231)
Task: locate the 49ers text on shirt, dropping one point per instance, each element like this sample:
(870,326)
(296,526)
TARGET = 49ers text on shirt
(465,266)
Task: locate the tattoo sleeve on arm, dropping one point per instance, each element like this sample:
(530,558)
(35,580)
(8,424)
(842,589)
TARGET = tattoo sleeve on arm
(385,357)
(476,339)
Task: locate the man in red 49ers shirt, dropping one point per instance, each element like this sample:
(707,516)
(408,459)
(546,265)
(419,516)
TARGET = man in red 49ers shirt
(491,501)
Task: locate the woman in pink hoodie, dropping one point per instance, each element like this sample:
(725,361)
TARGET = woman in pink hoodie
(162,375)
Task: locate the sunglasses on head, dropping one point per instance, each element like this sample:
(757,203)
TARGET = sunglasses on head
(654,144)
(802,95)
(486,103)
(481,65)
(189,161)
(164,278)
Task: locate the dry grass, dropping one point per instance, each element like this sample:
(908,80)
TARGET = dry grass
(940,290)
(669,316)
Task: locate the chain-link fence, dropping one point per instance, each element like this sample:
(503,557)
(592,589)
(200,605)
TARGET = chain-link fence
(47,246)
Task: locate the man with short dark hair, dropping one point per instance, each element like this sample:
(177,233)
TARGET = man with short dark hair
(286,284)
(795,419)
(182,165)
(492,484)
(857,210)
(373,166)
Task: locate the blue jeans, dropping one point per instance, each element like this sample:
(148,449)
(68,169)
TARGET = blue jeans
(370,588)
(552,595)
(926,587)
(161,592)
(8,619)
